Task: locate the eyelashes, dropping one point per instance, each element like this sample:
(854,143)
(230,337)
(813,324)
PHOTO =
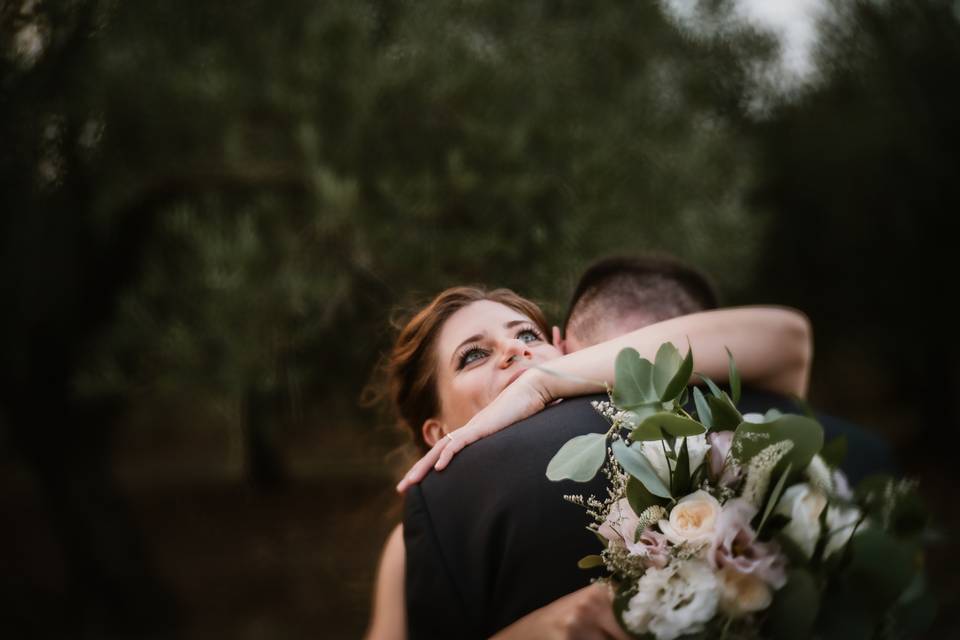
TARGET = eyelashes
(466,354)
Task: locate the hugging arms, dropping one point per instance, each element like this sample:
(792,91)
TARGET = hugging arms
(465,366)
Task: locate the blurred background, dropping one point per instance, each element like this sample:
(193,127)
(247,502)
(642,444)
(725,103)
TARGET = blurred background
(211,211)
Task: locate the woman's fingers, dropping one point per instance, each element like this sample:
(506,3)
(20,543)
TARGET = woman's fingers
(459,439)
(422,467)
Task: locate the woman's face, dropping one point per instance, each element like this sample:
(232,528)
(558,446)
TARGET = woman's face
(481,349)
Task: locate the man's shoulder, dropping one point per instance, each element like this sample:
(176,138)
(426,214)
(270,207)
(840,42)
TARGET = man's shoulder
(514,459)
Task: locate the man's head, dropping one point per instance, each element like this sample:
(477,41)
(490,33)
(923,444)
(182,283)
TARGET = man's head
(620,294)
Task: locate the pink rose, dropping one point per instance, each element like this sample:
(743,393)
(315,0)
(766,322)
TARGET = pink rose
(720,443)
(652,547)
(736,546)
(620,526)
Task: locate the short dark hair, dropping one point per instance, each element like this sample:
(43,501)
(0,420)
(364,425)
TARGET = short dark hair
(658,286)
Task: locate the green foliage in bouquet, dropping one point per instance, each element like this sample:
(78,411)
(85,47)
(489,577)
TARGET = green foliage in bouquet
(840,563)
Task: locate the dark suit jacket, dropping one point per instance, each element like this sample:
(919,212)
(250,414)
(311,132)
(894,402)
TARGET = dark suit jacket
(490,539)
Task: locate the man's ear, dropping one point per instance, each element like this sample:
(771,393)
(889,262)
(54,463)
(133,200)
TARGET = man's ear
(432,431)
(558,341)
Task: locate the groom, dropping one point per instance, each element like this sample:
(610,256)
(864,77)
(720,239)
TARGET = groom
(620,294)
(490,539)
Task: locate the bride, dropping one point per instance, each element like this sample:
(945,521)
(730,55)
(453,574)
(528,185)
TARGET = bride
(463,367)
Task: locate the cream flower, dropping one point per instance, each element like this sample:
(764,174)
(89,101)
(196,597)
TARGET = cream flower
(655,452)
(674,601)
(803,505)
(742,593)
(841,522)
(692,520)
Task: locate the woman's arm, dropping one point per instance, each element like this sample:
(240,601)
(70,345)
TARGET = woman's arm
(389,618)
(772,347)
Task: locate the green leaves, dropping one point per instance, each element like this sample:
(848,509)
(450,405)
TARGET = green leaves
(590,562)
(644,387)
(806,435)
(794,609)
(703,409)
(835,451)
(637,465)
(670,373)
(639,497)
(654,427)
(633,380)
(579,459)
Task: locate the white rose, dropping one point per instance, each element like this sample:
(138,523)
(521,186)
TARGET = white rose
(693,519)
(818,473)
(655,452)
(841,522)
(803,505)
(674,601)
(742,593)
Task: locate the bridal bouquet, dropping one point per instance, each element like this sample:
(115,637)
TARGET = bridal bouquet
(722,525)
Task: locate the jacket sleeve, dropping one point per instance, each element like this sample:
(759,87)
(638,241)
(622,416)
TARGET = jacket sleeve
(435,608)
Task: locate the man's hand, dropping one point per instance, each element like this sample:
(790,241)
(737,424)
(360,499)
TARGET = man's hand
(586,614)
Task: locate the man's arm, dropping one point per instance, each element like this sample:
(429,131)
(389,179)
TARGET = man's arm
(435,607)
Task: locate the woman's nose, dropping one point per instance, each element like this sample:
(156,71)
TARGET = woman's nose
(514,349)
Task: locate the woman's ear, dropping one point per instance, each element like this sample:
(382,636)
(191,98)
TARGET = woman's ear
(432,431)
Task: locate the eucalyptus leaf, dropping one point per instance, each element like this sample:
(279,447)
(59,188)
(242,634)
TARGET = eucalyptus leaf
(665,368)
(654,427)
(637,465)
(678,384)
(806,435)
(835,451)
(633,380)
(579,459)
(734,379)
(703,409)
(725,415)
(639,497)
(714,389)
(590,562)
(881,566)
(636,415)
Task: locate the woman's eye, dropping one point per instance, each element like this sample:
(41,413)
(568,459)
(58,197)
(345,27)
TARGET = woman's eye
(471,356)
(528,336)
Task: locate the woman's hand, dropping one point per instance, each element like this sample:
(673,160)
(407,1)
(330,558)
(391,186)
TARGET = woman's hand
(524,397)
(582,615)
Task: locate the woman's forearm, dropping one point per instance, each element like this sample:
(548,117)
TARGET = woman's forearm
(772,347)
